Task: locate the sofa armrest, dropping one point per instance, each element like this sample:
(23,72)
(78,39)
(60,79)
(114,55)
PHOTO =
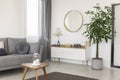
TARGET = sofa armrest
(41,51)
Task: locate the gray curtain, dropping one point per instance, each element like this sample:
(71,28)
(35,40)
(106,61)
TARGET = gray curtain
(46,29)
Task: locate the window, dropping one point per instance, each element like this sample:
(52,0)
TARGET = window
(32,29)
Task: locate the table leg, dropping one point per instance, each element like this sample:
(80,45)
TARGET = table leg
(36,71)
(45,74)
(25,71)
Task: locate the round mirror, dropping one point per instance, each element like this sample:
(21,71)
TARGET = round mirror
(73,21)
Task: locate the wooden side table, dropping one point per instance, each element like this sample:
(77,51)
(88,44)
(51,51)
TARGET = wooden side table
(36,68)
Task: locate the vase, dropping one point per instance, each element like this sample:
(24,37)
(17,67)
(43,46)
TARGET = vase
(58,43)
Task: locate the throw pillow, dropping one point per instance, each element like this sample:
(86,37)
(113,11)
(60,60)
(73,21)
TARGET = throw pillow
(1,44)
(5,41)
(2,50)
(22,48)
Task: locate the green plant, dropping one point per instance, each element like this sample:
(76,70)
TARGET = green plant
(100,26)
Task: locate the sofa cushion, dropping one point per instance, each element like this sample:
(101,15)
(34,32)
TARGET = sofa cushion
(22,48)
(5,40)
(9,61)
(12,42)
(34,47)
(28,58)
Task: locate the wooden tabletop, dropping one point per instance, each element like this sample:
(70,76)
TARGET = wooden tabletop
(30,65)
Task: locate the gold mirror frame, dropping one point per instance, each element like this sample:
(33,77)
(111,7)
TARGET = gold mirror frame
(67,27)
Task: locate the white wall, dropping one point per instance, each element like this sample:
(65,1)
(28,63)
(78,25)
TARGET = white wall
(61,7)
(12,18)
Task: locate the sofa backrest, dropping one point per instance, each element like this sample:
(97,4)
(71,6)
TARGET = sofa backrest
(12,42)
(34,47)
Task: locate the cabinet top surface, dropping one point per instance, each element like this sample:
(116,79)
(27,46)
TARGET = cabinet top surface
(68,46)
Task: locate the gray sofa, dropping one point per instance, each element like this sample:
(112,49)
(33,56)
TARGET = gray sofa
(14,60)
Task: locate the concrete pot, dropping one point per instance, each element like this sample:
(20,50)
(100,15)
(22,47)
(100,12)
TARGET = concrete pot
(97,63)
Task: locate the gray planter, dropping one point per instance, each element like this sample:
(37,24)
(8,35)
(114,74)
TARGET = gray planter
(97,63)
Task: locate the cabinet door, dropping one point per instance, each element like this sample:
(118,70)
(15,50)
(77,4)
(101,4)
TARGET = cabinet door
(68,53)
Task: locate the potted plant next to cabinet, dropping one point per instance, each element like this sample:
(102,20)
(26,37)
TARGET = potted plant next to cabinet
(98,30)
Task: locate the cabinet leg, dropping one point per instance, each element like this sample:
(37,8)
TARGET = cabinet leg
(87,62)
(58,59)
(83,63)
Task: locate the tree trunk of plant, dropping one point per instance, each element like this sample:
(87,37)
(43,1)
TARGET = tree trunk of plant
(97,50)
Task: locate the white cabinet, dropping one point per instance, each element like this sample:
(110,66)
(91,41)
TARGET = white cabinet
(70,53)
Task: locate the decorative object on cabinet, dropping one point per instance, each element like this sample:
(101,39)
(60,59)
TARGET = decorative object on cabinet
(58,34)
(73,21)
(68,46)
(77,45)
(68,51)
(99,29)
